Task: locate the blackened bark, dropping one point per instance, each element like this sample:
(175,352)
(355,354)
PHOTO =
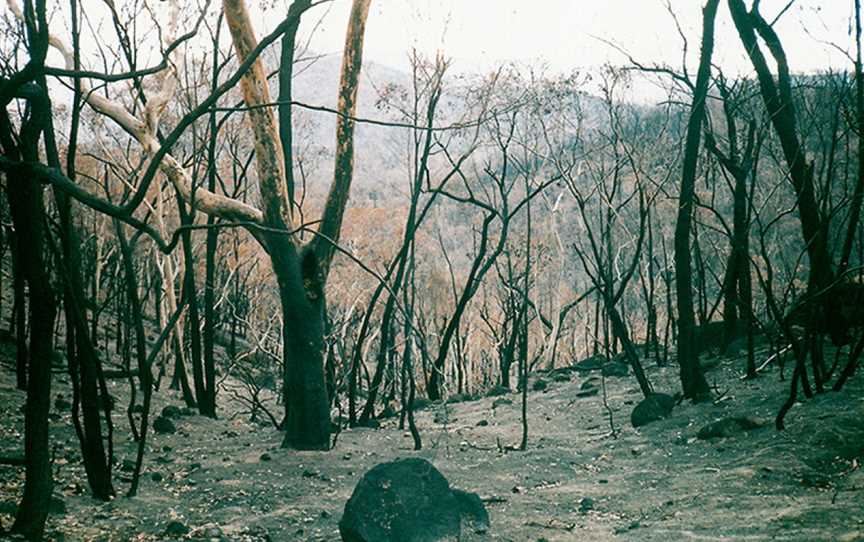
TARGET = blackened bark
(693,383)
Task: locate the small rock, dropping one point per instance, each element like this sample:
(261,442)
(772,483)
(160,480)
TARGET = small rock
(57,506)
(175,529)
(163,426)
(501,401)
(592,363)
(128,465)
(482,423)
(590,392)
(371,423)
(539,385)
(61,403)
(561,377)
(656,406)
(497,391)
(171,412)
(586,504)
(589,383)
(615,369)
(156,477)
(265,457)
(459,398)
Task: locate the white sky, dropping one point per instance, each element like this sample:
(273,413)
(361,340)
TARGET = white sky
(480,34)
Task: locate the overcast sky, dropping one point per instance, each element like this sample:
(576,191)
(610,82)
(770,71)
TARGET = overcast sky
(479,34)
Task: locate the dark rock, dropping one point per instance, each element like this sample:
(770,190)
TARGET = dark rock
(171,412)
(371,423)
(590,364)
(57,506)
(586,504)
(459,398)
(265,457)
(654,407)
(187,411)
(61,403)
(156,477)
(408,500)
(388,412)
(128,465)
(498,391)
(175,529)
(616,369)
(163,426)
(421,403)
(589,383)
(501,401)
(561,373)
(728,427)
(539,385)
(104,400)
(471,508)
(444,416)
(482,423)
(588,392)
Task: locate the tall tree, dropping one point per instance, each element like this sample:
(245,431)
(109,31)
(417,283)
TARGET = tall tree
(693,381)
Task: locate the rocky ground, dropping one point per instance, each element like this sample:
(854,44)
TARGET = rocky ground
(587,474)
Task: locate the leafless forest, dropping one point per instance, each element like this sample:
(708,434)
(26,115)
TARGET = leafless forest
(237,273)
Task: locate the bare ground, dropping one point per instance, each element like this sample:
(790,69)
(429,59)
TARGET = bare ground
(228,478)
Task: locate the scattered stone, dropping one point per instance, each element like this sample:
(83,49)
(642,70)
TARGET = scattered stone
(61,403)
(615,369)
(482,423)
(656,406)
(539,385)
(171,412)
(163,426)
(728,427)
(501,401)
(592,363)
(586,504)
(408,500)
(175,529)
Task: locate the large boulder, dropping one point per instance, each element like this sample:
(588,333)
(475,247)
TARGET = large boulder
(408,500)
(656,406)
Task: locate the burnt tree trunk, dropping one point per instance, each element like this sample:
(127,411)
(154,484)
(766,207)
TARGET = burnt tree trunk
(693,383)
